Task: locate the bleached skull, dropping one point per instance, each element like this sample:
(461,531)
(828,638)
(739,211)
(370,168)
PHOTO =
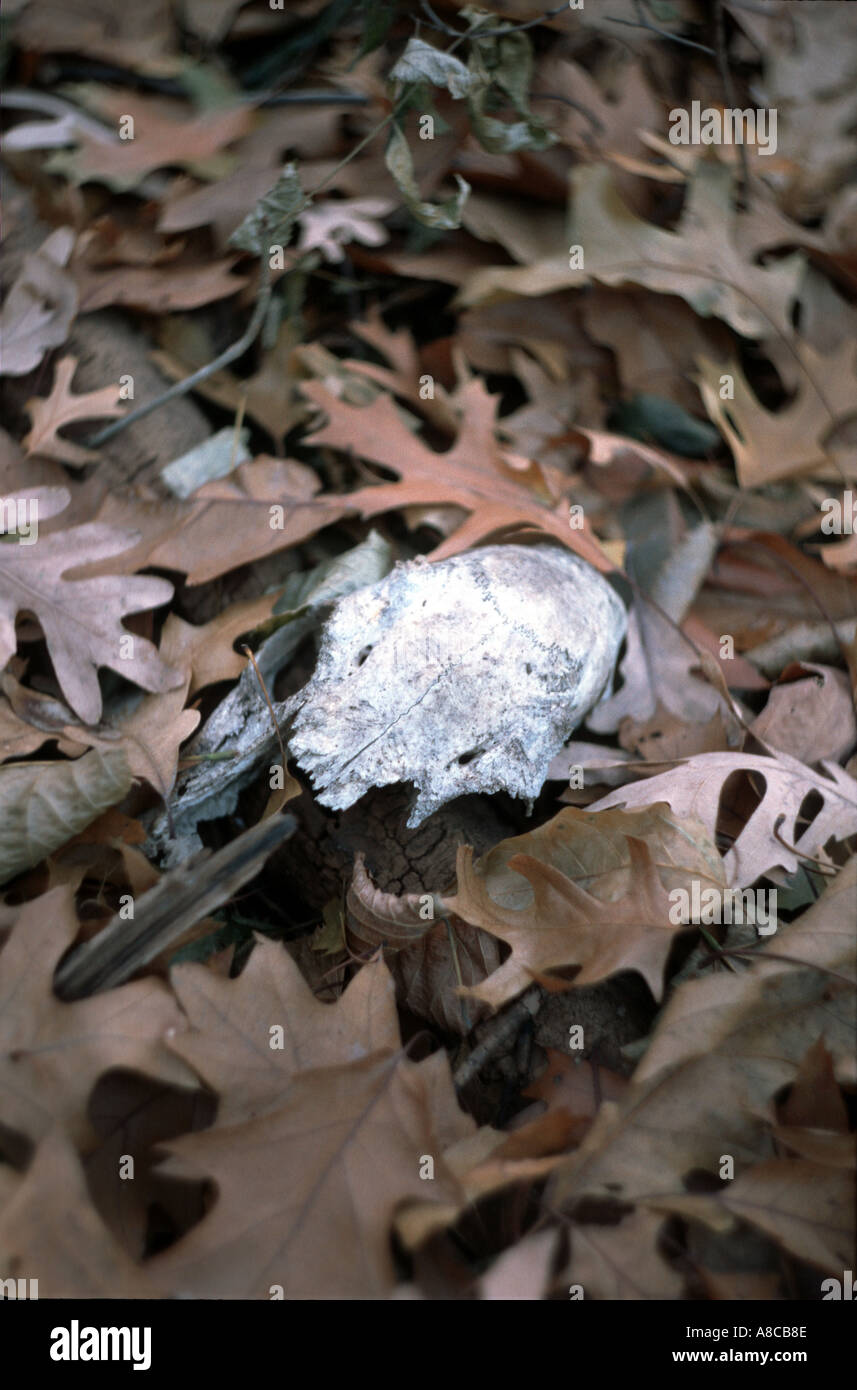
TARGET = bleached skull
(463,676)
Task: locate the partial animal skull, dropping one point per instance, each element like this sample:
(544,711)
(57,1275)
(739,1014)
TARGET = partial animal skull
(463,676)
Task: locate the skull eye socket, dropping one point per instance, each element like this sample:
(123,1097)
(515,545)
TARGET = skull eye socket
(362,654)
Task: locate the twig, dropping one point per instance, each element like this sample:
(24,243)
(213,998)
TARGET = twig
(500,1030)
(181,388)
(729,89)
(642,23)
(755,954)
(166,912)
(576,105)
(437,23)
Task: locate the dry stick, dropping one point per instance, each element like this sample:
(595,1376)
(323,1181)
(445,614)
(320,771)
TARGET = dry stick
(642,23)
(162,915)
(435,21)
(500,1030)
(180,388)
(755,954)
(279,736)
(729,89)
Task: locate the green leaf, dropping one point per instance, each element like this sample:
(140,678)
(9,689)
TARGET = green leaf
(442,216)
(271,221)
(45,804)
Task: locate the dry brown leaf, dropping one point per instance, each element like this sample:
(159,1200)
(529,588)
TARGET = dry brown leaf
(268,396)
(769,445)
(694,789)
(51,1054)
(38,311)
(81,618)
(213,646)
(556,922)
(567,926)
(155,289)
(238,520)
(497,491)
(50,414)
(811,719)
(621,1261)
(575,1085)
(807,1209)
(152,735)
(230,1040)
(45,804)
(327,1170)
(721,1050)
(704,260)
(164,134)
(815,1100)
(51,1232)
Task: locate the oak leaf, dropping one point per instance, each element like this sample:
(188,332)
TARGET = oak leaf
(769,445)
(707,266)
(619,921)
(228,1040)
(39,309)
(51,1232)
(722,1049)
(81,618)
(327,1169)
(497,490)
(773,837)
(50,414)
(45,804)
(51,1054)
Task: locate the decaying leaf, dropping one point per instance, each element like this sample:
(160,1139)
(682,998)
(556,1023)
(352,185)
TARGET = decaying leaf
(459,677)
(45,804)
(50,1228)
(695,786)
(722,1049)
(62,407)
(39,308)
(328,1167)
(52,1053)
(81,618)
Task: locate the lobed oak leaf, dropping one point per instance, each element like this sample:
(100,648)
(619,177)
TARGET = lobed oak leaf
(81,618)
(327,1170)
(800,438)
(497,490)
(774,836)
(153,733)
(51,1232)
(721,1050)
(229,1038)
(583,890)
(51,1053)
(162,135)
(708,267)
(50,414)
(38,311)
(567,926)
(329,225)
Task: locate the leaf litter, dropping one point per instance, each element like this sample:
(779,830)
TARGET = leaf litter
(354,794)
